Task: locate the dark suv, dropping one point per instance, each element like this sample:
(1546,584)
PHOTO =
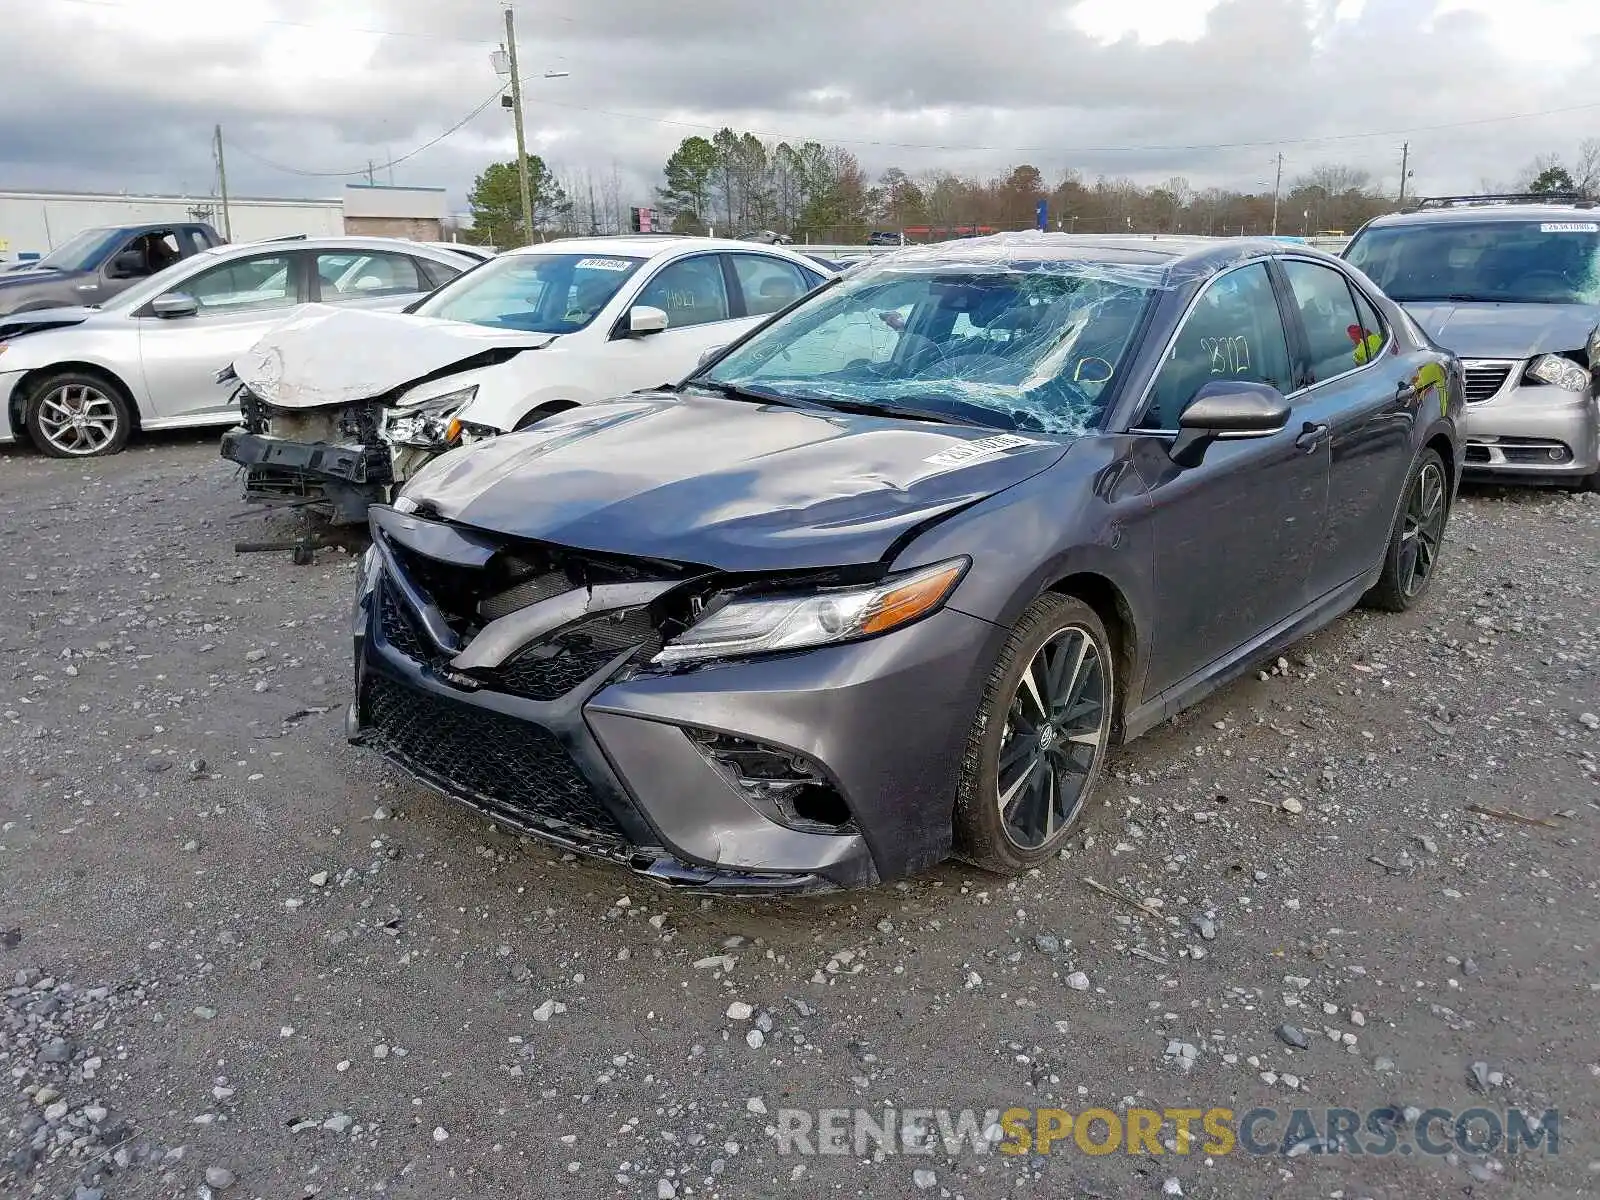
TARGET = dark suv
(1512,285)
(889,576)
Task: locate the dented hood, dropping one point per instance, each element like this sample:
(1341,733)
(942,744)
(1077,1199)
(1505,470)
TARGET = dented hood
(725,484)
(1486,330)
(328,356)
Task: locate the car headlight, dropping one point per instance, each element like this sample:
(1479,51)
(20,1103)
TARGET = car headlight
(1562,372)
(451,400)
(799,621)
(431,423)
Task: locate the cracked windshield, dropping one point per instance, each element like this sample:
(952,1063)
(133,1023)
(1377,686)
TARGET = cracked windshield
(1014,348)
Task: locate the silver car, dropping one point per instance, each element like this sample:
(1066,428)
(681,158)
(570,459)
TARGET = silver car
(1512,285)
(78,381)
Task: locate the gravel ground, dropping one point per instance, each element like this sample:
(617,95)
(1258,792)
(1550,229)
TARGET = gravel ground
(242,959)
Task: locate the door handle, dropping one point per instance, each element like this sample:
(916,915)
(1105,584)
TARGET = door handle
(1310,435)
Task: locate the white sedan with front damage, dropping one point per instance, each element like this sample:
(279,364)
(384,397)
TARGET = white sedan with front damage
(339,407)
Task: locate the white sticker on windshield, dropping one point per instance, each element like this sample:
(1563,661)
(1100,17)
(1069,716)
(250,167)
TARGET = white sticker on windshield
(976,451)
(1570,227)
(604,264)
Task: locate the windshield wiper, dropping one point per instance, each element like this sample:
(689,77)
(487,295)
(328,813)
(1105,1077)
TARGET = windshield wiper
(1452,297)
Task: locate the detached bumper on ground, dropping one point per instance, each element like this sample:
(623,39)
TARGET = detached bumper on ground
(825,769)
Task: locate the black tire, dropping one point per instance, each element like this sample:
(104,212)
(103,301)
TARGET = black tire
(49,417)
(1416,538)
(1052,625)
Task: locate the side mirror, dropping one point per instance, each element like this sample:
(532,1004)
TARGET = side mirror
(707,355)
(175,305)
(643,320)
(1228,409)
(130,264)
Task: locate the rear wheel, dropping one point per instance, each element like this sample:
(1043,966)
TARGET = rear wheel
(1412,558)
(1039,744)
(73,414)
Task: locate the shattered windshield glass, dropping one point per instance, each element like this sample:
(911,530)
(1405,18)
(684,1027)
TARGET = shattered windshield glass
(1510,262)
(533,293)
(1010,343)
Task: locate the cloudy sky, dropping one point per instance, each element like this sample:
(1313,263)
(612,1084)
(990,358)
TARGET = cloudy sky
(121,95)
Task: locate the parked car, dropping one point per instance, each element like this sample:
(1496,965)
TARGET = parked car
(767,237)
(478,253)
(100,263)
(79,380)
(339,407)
(885,237)
(889,576)
(1512,285)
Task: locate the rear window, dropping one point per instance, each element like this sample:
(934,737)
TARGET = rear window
(1517,262)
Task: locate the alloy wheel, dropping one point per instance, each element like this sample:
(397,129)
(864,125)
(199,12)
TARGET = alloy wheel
(1423,529)
(1056,729)
(78,419)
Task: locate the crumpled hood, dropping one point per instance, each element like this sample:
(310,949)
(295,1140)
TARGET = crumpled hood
(725,484)
(39,319)
(326,355)
(1486,330)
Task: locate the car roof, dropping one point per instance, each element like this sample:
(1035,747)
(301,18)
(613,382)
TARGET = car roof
(1164,260)
(645,245)
(400,245)
(1497,212)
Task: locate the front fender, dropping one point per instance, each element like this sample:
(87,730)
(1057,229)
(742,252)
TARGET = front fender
(507,395)
(114,352)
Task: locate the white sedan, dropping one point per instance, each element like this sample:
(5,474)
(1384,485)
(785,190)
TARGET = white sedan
(339,406)
(80,380)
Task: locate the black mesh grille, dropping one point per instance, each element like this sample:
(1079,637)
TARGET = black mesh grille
(398,628)
(1485,381)
(575,652)
(511,769)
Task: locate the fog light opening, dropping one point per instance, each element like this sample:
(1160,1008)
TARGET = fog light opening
(781,785)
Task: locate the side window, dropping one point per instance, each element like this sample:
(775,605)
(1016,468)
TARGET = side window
(1333,331)
(768,283)
(194,242)
(437,274)
(158,248)
(690,291)
(1372,331)
(1234,331)
(366,274)
(245,285)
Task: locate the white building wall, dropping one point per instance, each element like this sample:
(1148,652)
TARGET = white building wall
(40,221)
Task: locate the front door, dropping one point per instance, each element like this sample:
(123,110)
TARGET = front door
(1235,536)
(701,311)
(240,300)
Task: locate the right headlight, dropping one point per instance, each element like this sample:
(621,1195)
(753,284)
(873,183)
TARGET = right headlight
(803,620)
(1560,372)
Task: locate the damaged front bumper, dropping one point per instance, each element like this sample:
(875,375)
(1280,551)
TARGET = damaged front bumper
(338,461)
(685,778)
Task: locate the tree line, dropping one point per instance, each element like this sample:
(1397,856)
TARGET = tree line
(736,183)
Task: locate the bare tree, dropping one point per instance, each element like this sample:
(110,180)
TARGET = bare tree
(1586,168)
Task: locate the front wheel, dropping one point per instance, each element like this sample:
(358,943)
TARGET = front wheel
(1038,746)
(77,415)
(1412,556)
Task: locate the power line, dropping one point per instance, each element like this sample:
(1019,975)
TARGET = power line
(370,167)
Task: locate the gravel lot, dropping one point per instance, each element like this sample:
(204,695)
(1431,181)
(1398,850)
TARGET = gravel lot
(251,961)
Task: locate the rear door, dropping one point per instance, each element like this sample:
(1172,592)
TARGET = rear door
(1356,392)
(381,280)
(1236,535)
(240,300)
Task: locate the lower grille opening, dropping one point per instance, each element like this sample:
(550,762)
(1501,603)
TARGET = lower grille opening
(510,769)
(572,654)
(782,785)
(1530,451)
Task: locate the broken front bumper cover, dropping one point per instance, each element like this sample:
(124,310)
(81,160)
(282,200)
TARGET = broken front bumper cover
(339,480)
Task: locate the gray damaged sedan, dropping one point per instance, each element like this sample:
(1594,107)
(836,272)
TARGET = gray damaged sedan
(887,578)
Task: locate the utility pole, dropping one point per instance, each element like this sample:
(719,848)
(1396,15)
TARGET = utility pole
(370,182)
(1405,161)
(222,186)
(516,117)
(1277,186)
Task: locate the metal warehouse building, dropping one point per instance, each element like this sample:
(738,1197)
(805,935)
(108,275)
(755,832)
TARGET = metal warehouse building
(34,223)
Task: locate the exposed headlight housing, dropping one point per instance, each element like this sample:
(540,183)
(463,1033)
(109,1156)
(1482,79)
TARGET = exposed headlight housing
(1559,372)
(751,625)
(429,424)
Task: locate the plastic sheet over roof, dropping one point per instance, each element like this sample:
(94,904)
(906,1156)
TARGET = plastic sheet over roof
(1156,261)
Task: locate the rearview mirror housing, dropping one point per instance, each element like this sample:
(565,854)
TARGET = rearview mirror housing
(644,320)
(175,305)
(1228,409)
